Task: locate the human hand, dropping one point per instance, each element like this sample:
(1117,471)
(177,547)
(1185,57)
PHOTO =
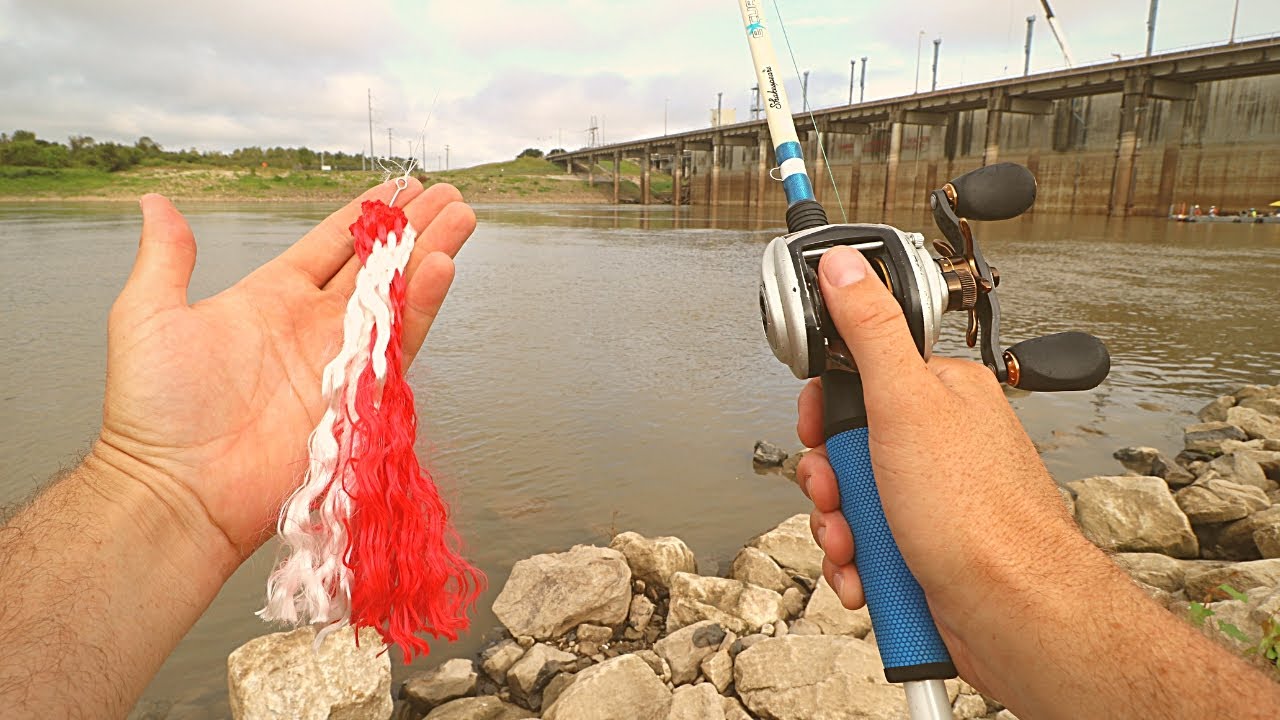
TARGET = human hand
(210,405)
(975,513)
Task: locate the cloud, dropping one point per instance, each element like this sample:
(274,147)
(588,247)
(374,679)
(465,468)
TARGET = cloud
(509,73)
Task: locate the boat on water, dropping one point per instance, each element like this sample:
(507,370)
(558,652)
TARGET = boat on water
(1212,215)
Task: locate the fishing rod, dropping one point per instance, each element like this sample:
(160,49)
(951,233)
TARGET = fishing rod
(802,335)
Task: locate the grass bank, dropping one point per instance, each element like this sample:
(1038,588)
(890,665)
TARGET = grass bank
(530,180)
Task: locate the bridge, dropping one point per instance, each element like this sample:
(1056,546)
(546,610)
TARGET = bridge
(1117,132)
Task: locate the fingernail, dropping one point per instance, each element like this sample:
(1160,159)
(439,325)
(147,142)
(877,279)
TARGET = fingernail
(843,266)
(837,582)
(822,537)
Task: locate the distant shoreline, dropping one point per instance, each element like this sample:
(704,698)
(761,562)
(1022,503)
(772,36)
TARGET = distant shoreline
(525,180)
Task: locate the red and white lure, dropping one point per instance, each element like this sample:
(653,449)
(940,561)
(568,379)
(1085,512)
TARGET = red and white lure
(367,538)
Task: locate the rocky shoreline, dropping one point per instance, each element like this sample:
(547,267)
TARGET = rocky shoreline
(632,631)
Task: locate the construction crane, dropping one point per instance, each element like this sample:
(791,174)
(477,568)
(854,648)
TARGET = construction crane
(1057,32)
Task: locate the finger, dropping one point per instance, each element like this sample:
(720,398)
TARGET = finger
(325,250)
(831,532)
(818,480)
(423,298)
(421,212)
(446,233)
(964,378)
(871,323)
(809,414)
(166,255)
(844,579)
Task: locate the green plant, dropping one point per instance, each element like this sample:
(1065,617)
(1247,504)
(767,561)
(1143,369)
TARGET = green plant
(1267,647)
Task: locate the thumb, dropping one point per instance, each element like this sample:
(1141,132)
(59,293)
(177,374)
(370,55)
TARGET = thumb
(166,255)
(872,324)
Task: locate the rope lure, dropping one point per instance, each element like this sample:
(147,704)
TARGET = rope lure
(366,536)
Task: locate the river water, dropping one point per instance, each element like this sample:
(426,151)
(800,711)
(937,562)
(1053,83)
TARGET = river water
(599,369)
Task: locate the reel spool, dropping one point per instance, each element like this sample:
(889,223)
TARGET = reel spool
(957,278)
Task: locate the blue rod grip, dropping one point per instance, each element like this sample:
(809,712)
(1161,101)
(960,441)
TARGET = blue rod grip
(910,646)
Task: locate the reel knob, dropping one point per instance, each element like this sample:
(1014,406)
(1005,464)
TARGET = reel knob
(1056,363)
(995,192)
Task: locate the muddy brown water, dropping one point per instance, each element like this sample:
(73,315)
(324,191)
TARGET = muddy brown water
(599,369)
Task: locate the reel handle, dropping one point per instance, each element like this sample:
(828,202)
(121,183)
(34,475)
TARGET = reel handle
(1056,363)
(910,646)
(995,192)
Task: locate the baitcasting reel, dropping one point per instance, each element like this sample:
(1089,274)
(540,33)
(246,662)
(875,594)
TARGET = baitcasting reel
(803,336)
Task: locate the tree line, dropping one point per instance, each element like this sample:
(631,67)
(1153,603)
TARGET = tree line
(23,149)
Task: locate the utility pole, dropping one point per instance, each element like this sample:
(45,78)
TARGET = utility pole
(1026,66)
(862,89)
(919,44)
(853,68)
(1151,26)
(937,43)
(390,152)
(804,90)
(446,157)
(666,106)
(1234,14)
(755,102)
(424,151)
(371,152)
(719,109)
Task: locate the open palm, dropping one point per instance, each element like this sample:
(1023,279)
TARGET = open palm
(217,399)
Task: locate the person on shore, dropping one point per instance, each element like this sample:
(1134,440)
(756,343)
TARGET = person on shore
(208,406)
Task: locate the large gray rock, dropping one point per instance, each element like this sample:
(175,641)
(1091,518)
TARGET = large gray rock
(1254,424)
(479,708)
(1214,500)
(498,659)
(641,613)
(532,672)
(1264,405)
(1153,569)
(1133,514)
(1237,540)
(1151,462)
(825,610)
(547,595)
(1267,540)
(622,688)
(1207,438)
(1257,573)
(1216,411)
(282,676)
(733,709)
(733,604)
(718,669)
(816,677)
(791,545)
(696,702)
(1240,468)
(686,648)
(754,566)
(1268,460)
(454,679)
(655,560)
(766,454)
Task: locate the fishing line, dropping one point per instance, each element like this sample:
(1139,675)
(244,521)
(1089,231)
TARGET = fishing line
(812,120)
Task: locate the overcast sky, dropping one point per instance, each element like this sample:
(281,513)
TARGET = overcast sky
(508,74)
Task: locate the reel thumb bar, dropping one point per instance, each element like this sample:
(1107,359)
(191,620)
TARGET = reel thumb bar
(995,192)
(803,210)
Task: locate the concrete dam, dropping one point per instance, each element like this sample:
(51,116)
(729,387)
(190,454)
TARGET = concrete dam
(1130,137)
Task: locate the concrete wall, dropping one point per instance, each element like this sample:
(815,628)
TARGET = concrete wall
(1221,148)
